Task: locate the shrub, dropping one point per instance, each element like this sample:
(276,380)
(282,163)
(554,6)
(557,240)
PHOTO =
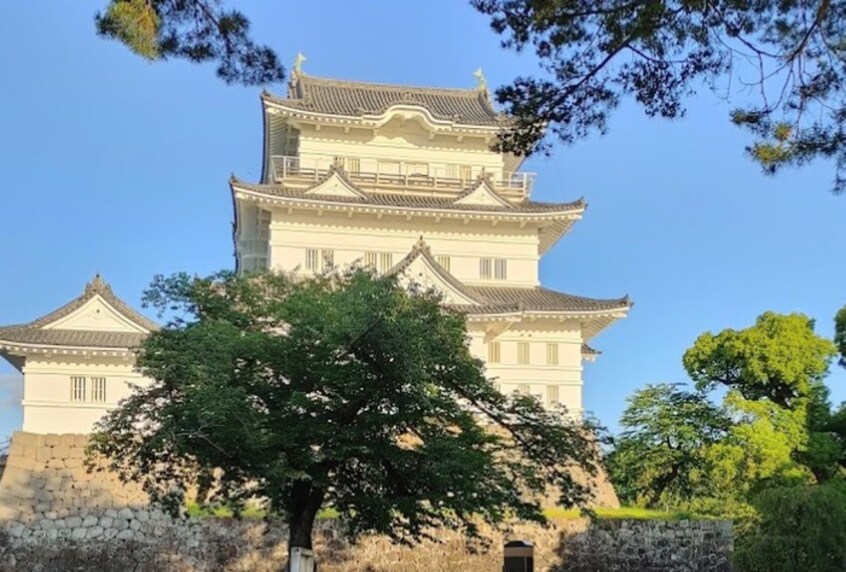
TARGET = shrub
(797,528)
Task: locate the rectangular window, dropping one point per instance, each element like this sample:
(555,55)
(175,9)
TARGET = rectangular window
(98,389)
(78,389)
(523,353)
(493,352)
(552,395)
(500,269)
(371,259)
(311,259)
(551,354)
(444,262)
(524,389)
(386,261)
(464,172)
(485,268)
(328,257)
(353,165)
(417,169)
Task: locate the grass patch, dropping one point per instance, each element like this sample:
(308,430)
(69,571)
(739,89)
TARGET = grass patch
(250,512)
(627,512)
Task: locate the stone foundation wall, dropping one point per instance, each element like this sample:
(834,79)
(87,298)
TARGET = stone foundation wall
(153,542)
(45,477)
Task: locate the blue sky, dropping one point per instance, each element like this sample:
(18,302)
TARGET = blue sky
(113,165)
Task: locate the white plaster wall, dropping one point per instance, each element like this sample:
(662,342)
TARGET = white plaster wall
(400,140)
(47,403)
(350,238)
(509,375)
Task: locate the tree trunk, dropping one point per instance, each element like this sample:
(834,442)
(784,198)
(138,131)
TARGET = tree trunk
(305,504)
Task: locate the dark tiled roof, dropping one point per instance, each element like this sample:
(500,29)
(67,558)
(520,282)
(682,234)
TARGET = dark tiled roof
(356,99)
(508,299)
(70,338)
(34,332)
(540,299)
(407,201)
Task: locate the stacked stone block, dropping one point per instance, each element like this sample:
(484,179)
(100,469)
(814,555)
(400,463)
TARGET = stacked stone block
(46,477)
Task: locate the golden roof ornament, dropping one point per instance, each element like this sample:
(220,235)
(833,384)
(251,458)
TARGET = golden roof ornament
(482,82)
(298,63)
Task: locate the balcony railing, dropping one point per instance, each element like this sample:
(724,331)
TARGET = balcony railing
(416,177)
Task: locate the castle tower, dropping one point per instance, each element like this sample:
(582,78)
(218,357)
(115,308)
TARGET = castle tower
(403,179)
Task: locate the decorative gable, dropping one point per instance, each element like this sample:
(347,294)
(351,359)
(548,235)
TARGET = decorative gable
(96,315)
(421,269)
(483,195)
(335,186)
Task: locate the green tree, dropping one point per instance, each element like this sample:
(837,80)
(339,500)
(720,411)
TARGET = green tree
(595,53)
(196,30)
(345,390)
(797,528)
(780,358)
(666,432)
(840,334)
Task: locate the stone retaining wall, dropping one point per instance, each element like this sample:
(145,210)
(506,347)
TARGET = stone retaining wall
(45,477)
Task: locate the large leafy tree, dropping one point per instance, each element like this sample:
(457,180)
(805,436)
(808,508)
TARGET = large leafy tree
(666,431)
(345,390)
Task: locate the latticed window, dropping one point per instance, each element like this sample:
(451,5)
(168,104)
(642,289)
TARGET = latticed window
(98,389)
(371,259)
(500,269)
(493,352)
(523,353)
(524,389)
(78,389)
(444,262)
(386,261)
(551,354)
(311,259)
(485,268)
(328,257)
(552,395)
(353,165)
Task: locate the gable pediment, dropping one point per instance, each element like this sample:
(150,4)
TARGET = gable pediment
(482,195)
(96,315)
(335,186)
(422,272)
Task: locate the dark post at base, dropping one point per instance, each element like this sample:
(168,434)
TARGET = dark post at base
(519,556)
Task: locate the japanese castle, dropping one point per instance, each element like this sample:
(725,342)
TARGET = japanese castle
(399,178)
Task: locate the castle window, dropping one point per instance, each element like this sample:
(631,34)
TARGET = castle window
(353,165)
(493,352)
(523,353)
(500,269)
(485,269)
(371,259)
(552,395)
(78,389)
(444,262)
(98,389)
(524,389)
(551,354)
(386,261)
(328,257)
(311,259)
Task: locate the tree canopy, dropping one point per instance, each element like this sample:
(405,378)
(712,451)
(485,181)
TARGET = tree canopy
(840,334)
(345,390)
(773,427)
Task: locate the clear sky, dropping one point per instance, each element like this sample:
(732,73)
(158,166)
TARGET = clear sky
(113,165)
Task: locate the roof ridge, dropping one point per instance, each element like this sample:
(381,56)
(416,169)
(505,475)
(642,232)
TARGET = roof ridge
(97,286)
(466,91)
(420,248)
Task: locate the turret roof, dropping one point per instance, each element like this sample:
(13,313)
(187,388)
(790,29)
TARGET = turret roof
(410,201)
(509,299)
(37,332)
(358,99)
